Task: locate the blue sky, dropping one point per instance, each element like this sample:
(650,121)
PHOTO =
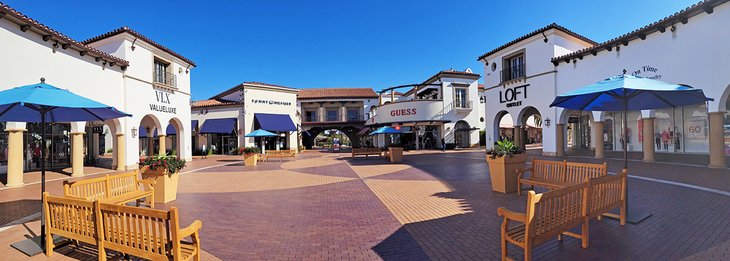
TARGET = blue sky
(310,44)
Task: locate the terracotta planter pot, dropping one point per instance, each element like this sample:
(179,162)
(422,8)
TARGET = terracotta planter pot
(502,172)
(395,154)
(165,185)
(250,160)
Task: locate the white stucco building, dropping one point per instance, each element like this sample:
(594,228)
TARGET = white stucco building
(524,76)
(442,107)
(222,121)
(121,68)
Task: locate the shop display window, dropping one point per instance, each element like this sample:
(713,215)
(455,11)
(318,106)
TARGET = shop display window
(726,128)
(635,127)
(3,149)
(668,136)
(695,131)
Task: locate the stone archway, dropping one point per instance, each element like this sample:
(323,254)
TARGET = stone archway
(530,122)
(349,131)
(462,132)
(501,129)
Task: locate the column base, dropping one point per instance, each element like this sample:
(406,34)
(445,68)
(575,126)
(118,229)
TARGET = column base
(719,166)
(648,160)
(14,185)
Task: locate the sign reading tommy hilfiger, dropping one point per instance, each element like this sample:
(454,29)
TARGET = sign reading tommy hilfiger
(270,102)
(163,97)
(511,95)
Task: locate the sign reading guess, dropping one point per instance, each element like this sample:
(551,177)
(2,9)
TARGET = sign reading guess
(511,95)
(403,112)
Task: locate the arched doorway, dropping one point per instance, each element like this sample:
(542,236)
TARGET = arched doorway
(462,134)
(147,134)
(503,126)
(531,131)
(175,138)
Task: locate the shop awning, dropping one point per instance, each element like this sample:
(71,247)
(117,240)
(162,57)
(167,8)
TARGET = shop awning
(194,125)
(363,131)
(170,130)
(220,126)
(143,132)
(275,122)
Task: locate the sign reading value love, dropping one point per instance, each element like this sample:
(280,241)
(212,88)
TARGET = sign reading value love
(164,98)
(512,96)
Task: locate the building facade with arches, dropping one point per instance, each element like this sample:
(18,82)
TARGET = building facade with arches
(683,48)
(121,68)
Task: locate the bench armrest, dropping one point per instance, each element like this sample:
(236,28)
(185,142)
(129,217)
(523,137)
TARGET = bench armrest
(191,229)
(511,215)
(521,172)
(148,183)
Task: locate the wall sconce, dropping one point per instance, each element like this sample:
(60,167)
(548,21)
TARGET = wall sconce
(547,122)
(482,99)
(134,132)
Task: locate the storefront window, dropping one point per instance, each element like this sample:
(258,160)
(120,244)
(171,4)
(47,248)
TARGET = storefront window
(667,130)
(3,149)
(695,131)
(635,127)
(332,115)
(58,146)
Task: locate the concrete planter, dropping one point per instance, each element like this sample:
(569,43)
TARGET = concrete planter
(503,174)
(396,154)
(250,160)
(165,184)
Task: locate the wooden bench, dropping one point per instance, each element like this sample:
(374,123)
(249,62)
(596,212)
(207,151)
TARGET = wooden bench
(547,215)
(281,154)
(554,213)
(146,233)
(366,152)
(113,189)
(558,174)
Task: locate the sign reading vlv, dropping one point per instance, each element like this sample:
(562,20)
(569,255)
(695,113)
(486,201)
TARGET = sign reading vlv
(511,95)
(163,97)
(403,112)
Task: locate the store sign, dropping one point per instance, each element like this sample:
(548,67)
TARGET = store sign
(647,72)
(403,112)
(163,98)
(513,96)
(270,102)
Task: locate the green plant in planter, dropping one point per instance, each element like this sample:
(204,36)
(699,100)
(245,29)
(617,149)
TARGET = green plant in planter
(170,163)
(503,148)
(249,150)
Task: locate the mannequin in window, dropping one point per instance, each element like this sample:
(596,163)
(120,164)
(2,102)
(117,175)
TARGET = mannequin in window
(658,141)
(665,139)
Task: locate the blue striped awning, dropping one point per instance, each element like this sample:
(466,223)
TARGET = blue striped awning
(275,122)
(220,126)
(171,130)
(143,132)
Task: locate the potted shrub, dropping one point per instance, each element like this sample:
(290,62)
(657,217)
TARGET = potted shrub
(504,161)
(250,156)
(164,170)
(395,151)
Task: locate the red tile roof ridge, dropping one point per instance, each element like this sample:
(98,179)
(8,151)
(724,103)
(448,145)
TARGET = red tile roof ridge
(7,10)
(125,29)
(536,32)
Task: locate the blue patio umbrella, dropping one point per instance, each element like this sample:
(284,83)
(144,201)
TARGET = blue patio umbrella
(385,130)
(43,102)
(628,92)
(261,133)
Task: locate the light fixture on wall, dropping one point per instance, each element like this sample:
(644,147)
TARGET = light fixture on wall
(134,132)
(482,99)
(547,122)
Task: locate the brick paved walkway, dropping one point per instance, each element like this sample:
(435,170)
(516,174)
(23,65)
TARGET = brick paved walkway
(433,206)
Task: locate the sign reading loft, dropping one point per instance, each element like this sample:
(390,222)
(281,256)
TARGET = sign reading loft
(442,108)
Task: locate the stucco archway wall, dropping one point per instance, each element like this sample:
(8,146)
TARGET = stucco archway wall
(495,125)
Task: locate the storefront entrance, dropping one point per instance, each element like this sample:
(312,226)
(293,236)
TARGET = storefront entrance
(58,146)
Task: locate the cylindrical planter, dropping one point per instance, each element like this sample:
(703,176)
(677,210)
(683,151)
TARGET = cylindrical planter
(396,154)
(165,184)
(250,160)
(503,172)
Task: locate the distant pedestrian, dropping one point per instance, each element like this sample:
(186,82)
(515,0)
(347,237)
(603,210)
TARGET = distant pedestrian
(443,145)
(205,152)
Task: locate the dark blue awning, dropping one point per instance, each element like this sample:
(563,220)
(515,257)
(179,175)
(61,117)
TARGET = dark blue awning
(220,126)
(170,130)
(275,122)
(143,132)
(194,125)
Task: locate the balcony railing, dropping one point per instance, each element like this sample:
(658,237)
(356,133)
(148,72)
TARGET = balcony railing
(513,72)
(165,78)
(462,105)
